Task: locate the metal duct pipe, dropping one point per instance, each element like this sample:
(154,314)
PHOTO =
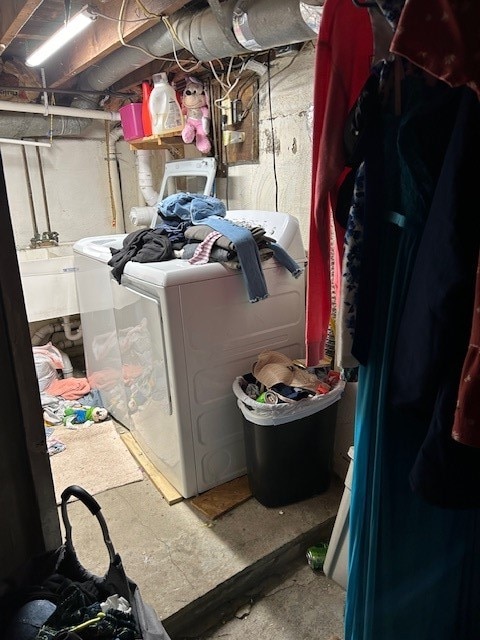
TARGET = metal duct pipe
(203,36)
(123,61)
(199,32)
(264,24)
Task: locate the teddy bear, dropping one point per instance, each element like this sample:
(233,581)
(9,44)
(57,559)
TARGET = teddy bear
(195,108)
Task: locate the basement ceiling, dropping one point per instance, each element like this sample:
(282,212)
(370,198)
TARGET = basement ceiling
(25,24)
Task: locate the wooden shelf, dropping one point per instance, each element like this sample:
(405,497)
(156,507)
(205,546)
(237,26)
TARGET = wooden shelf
(166,141)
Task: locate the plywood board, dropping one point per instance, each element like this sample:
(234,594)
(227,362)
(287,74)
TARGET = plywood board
(167,490)
(219,500)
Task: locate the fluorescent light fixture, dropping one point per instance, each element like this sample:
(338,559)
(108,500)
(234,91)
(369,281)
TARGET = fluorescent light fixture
(72,28)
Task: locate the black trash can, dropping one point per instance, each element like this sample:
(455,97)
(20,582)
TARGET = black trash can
(289,459)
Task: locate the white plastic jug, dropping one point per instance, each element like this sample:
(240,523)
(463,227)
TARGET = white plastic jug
(165,112)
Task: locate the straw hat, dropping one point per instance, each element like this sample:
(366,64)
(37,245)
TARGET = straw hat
(273,367)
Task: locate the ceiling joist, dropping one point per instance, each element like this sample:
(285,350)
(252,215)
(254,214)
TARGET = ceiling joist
(13,15)
(102,38)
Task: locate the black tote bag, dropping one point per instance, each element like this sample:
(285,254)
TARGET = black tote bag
(38,581)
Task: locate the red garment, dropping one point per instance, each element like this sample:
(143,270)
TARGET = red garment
(466,426)
(344,54)
(69,388)
(442,37)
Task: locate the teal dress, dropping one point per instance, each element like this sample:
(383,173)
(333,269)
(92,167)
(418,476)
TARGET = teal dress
(414,567)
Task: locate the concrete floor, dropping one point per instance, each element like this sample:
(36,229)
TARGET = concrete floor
(198,574)
(304,605)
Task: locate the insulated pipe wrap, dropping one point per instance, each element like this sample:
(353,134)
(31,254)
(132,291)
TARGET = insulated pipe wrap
(123,61)
(203,36)
(264,24)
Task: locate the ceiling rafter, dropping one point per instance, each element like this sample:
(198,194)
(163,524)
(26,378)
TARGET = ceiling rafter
(102,38)
(13,16)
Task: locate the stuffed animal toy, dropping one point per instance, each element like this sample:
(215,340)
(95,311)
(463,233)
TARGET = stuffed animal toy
(195,108)
(81,415)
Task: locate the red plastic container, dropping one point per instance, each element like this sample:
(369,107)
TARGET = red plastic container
(147,123)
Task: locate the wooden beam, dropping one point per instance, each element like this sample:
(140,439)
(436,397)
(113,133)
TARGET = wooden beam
(102,38)
(13,15)
(168,491)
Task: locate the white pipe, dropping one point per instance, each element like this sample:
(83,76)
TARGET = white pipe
(145,177)
(47,330)
(67,368)
(113,137)
(48,110)
(25,143)
(67,329)
(65,344)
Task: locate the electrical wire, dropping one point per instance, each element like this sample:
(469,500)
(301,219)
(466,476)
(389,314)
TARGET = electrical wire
(220,82)
(121,38)
(103,15)
(230,88)
(251,79)
(269,79)
(273,133)
(227,202)
(173,37)
(146,11)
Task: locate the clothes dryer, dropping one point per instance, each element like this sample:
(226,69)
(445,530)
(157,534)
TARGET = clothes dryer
(171,338)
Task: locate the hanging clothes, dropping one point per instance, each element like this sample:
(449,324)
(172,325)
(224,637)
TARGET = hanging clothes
(340,72)
(466,427)
(442,37)
(434,332)
(414,568)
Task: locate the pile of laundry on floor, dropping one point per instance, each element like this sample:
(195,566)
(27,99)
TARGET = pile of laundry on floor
(66,401)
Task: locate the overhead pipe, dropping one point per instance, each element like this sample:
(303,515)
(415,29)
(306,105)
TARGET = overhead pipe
(260,25)
(200,33)
(28,107)
(29,121)
(204,36)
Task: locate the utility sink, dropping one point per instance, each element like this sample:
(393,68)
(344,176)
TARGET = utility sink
(48,281)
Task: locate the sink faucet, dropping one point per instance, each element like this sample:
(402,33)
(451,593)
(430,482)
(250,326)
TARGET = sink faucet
(47,239)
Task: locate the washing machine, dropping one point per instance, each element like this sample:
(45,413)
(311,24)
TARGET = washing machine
(165,345)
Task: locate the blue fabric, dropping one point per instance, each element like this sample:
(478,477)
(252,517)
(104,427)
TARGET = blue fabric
(414,568)
(285,260)
(201,209)
(247,252)
(29,619)
(191,207)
